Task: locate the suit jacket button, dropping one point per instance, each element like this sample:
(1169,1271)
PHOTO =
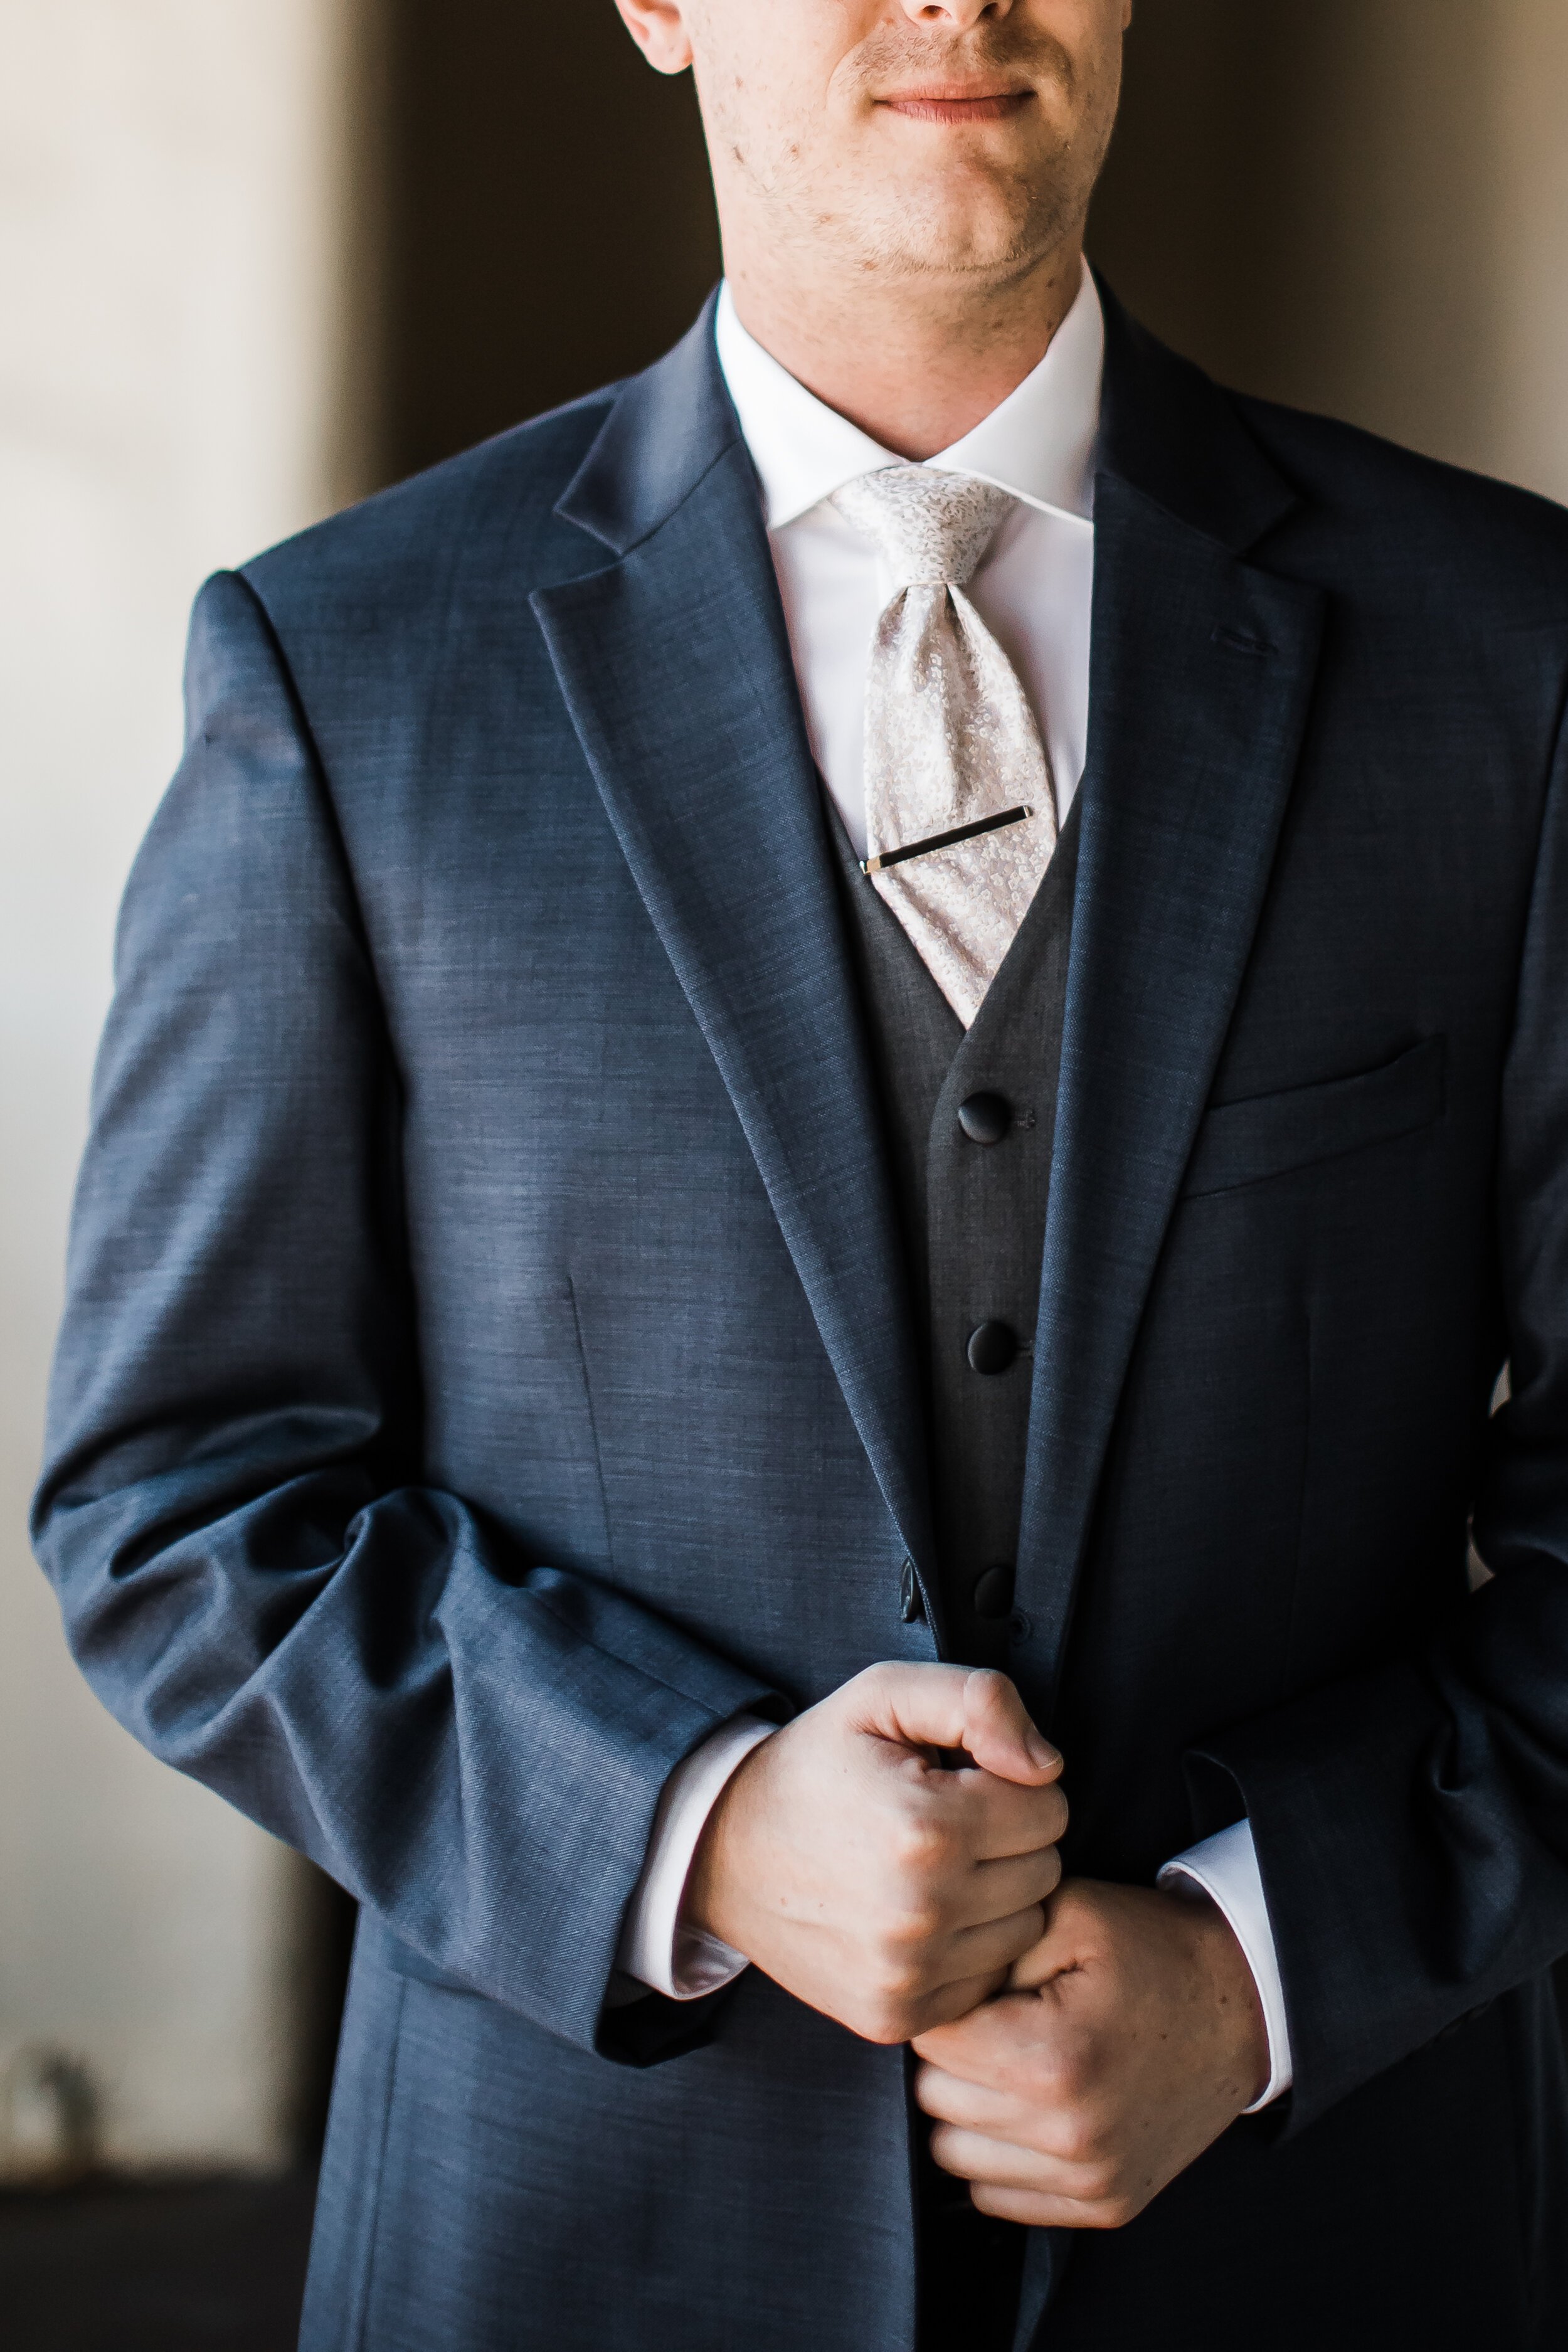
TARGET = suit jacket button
(911,1608)
(994,1592)
(985,1118)
(992,1347)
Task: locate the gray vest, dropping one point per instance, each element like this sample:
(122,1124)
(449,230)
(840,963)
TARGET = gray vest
(969,1122)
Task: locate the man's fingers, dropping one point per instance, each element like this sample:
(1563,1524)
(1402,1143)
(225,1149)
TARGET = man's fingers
(949,1707)
(983,2047)
(1007,1819)
(1001,2164)
(1003,2118)
(1037,2212)
(974,2156)
(916,1706)
(994,2114)
(1048,1958)
(997,1890)
(977,2136)
(976,1951)
(1041,2191)
(960,1999)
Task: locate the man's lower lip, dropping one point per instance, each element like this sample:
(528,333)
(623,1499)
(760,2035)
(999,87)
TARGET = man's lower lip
(959,109)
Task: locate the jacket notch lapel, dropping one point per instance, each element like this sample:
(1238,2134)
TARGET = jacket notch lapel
(1203,670)
(675,666)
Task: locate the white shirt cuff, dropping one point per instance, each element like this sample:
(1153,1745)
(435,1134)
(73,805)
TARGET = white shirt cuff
(655,1947)
(1225,1867)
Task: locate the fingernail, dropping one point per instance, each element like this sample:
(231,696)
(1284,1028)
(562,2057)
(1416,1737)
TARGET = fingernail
(1041,1751)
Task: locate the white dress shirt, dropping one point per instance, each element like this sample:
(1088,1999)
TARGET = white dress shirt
(1034,590)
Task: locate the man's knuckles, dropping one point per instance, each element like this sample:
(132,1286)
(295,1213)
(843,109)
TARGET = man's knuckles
(1086,2141)
(875,1691)
(896,1979)
(922,1846)
(1106,2186)
(893,2004)
(1106,2212)
(908,1930)
(883,2022)
(1111,2194)
(1059,2079)
(1050,1863)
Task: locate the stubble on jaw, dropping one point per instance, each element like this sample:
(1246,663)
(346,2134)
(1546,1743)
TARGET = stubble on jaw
(826,192)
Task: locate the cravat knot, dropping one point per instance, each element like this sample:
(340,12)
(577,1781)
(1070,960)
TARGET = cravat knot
(931,527)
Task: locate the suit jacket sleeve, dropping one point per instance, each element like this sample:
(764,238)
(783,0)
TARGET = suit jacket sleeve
(1412,1825)
(471,1742)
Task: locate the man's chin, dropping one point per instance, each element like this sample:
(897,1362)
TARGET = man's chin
(925,238)
(966,211)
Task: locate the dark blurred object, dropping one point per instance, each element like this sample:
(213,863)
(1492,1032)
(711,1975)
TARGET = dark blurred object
(48,2117)
(193,2266)
(89,2262)
(326,1918)
(548,221)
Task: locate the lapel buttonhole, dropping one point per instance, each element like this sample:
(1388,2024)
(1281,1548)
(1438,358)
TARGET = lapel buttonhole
(1243,641)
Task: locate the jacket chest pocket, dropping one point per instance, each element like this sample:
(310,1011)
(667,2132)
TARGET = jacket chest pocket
(1270,1135)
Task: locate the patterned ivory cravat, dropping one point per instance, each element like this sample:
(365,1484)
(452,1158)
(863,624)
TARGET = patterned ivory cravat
(950,738)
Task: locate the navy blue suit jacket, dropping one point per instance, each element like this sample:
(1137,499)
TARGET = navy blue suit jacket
(489,1363)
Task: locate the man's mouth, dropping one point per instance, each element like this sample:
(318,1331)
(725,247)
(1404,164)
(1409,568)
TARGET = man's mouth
(947,103)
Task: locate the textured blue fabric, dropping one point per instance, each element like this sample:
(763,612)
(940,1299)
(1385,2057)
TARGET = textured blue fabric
(490,1366)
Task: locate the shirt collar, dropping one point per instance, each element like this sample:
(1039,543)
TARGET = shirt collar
(1038,445)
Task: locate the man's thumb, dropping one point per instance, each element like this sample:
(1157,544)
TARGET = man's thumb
(1000,1736)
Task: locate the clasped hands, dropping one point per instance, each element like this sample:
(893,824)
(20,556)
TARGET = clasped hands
(1080,2042)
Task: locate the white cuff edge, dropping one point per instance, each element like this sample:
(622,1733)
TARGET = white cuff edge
(681,1962)
(1226,1868)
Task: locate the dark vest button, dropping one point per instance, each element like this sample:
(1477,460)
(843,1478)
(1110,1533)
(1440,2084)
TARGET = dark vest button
(911,1608)
(994,1592)
(985,1118)
(992,1346)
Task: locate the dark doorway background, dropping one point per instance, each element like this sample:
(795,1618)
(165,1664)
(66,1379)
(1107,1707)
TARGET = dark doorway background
(543,221)
(548,220)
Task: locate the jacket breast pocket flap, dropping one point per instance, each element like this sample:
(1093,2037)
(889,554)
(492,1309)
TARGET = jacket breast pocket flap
(1269,1135)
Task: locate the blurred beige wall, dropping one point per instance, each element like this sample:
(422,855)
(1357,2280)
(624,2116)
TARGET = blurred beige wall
(173,311)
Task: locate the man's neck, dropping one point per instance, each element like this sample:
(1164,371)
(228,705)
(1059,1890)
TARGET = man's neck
(914,367)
